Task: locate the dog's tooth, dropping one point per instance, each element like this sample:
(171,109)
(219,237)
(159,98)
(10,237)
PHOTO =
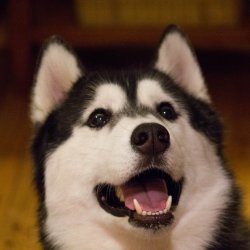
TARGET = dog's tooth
(137,206)
(119,194)
(144,213)
(161,212)
(149,213)
(168,203)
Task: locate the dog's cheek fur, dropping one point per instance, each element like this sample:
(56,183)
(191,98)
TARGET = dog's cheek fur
(206,189)
(205,192)
(70,201)
(71,174)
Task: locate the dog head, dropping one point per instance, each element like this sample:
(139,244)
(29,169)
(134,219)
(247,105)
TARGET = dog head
(125,153)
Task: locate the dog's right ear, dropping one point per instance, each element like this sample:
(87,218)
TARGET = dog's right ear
(58,69)
(176,58)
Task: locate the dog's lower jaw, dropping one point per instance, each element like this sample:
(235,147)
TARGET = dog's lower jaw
(132,241)
(100,237)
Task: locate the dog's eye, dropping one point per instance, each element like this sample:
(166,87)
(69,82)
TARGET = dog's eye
(166,110)
(99,118)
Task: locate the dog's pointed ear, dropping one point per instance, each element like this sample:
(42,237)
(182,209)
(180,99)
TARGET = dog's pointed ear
(176,58)
(58,69)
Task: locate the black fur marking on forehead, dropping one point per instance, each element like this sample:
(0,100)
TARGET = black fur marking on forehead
(128,81)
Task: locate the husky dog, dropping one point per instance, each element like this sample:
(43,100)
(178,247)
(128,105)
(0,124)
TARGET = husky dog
(133,159)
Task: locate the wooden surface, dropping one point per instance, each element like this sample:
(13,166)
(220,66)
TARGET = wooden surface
(231,93)
(17,199)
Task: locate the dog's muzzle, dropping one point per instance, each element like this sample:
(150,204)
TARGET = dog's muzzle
(150,196)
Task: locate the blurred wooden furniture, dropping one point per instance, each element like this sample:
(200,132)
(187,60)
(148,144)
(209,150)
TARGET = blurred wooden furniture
(31,22)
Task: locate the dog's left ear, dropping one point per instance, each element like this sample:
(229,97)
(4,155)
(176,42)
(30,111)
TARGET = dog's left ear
(176,58)
(58,69)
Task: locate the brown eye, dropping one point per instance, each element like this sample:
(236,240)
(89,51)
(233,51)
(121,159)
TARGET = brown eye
(99,118)
(166,110)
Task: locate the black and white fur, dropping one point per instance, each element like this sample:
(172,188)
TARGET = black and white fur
(71,158)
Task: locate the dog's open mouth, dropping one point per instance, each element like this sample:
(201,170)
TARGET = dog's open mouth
(148,199)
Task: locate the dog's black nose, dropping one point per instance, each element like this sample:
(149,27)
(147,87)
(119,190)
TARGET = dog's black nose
(150,139)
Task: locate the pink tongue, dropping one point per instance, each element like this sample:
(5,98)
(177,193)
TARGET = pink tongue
(151,194)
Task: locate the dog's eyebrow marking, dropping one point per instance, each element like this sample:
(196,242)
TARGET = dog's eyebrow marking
(150,93)
(108,96)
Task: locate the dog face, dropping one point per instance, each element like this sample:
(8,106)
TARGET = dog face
(126,155)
